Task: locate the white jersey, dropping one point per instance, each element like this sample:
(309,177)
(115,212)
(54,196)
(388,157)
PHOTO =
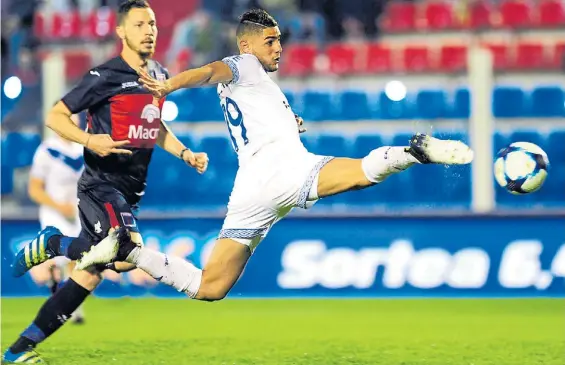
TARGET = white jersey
(59,165)
(256,110)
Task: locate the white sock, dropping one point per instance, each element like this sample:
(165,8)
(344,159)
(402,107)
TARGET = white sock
(170,270)
(385,161)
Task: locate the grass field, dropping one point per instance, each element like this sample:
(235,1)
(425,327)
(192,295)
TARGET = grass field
(324,332)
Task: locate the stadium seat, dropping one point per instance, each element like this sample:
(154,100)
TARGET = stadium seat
(101,23)
(203,104)
(379,58)
(548,102)
(77,64)
(353,105)
(509,102)
(530,56)
(365,143)
(431,104)
(516,14)
(342,58)
(500,56)
(499,142)
(39,26)
(21,148)
(551,13)
(439,15)
(389,109)
(66,25)
(318,106)
(480,15)
(416,59)
(7,179)
(218,148)
(558,59)
(453,58)
(332,145)
(461,106)
(531,136)
(299,60)
(399,17)
(556,148)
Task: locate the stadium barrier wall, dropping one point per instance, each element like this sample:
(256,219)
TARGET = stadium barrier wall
(473,256)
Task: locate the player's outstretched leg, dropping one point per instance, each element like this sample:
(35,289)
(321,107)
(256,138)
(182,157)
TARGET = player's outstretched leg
(52,315)
(48,243)
(225,265)
(345,174)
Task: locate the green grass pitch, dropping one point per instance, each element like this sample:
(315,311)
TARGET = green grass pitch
(298,331)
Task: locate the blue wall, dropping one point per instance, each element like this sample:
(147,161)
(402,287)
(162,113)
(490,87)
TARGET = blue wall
(433,256)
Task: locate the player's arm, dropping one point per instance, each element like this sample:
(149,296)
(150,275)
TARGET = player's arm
(212,73)
(170,143)
(59,120)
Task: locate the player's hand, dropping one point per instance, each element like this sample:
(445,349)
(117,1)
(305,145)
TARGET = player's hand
(300,123)
(198,160)
(159,89)
(103,145)
(67,210)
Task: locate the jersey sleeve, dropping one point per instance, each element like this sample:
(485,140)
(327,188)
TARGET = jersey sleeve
(40,165)
(91,90)
(246,69)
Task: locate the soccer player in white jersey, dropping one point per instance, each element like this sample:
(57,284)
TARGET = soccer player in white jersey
(276,173)
(55,170)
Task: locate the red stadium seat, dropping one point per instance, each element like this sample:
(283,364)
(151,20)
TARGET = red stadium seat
(298,60)
(416,59)
(66,25)
(439,15)
(76,64)
(500,56)
(342,58)
(551,13)
(530,56)
(399,17)
(453,58)
(558,59)
(101,23)
(516,14)
(480,15)
(379,59)
(39,29)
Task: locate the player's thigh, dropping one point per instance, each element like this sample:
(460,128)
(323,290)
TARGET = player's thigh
(341,175)
(100,210)
(224,267)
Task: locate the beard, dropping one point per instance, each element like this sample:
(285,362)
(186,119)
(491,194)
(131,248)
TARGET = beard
(142,54)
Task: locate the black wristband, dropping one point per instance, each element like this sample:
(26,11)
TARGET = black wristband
(181,154)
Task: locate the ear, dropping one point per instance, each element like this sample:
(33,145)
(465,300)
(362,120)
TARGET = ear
(245,46)
(120,32)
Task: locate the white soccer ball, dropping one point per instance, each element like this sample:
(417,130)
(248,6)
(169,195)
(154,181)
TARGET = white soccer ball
(521,168)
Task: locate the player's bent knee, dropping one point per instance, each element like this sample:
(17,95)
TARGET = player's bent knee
(88,279)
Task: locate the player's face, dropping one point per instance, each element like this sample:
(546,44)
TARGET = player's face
(140,31)
(267,48)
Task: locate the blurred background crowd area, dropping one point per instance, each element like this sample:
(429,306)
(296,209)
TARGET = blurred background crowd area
(381,68)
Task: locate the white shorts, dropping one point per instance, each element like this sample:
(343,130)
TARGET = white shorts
(67,228)
(266,189)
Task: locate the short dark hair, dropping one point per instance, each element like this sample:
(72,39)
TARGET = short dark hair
(127,5)
(254,21)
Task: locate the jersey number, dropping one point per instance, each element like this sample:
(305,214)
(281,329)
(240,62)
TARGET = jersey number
(234,121)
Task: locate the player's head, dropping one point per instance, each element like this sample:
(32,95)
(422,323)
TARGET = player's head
(258,34)
(137,27)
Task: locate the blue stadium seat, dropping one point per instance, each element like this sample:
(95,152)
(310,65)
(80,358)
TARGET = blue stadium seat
(431,104)
(7,179)
(332,145)
(310,142)
(390,110)
(317,106)
(353,105)
(20,148)
(290,97)
(527,136)
(548,101)
(500,141)
(365,143)
(218,148)
(198,104)
(556,147)
(509,102)
(461,107)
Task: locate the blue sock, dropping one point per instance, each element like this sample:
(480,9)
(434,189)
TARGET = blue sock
(71,247)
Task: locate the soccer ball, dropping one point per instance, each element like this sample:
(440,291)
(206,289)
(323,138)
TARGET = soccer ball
(521,168)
